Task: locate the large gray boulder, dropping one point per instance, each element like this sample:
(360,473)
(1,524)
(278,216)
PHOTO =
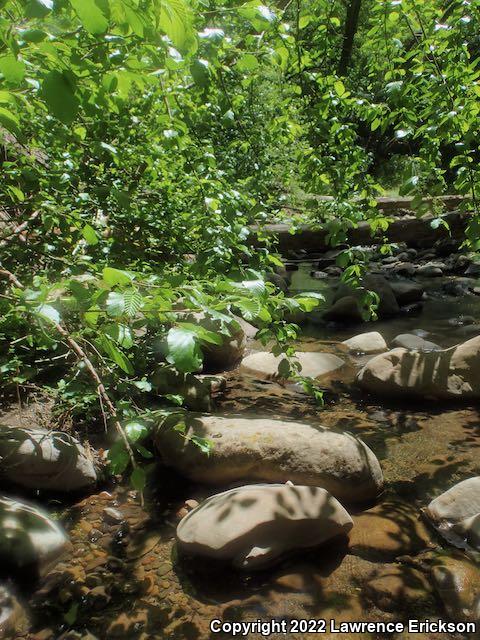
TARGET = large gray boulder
(40,459)
(456,513)
(29,537)
(252,449)
(450,374)
(313,364)
(253,526)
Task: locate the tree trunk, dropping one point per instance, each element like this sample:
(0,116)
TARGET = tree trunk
(351,26)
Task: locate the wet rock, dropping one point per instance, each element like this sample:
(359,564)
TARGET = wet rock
(271,450)
(253,526)
(113,516)
(346,309)
(457,581)
(371,342)
(279,281)
(448,374)
(98,598)
(41,459)
(458,286)
(411,341)
(414,309)
(431,269)
(473,269)
(387,531)
(313,364)
(399,588)
(459,321)
(407,292)
(404,269)
(319,275)
(329,258)
(333,271)
(347,299)
(13,617)
(456,513)
(29,537)
(467,331)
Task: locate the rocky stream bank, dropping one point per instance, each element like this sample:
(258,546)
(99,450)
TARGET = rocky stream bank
(365,509)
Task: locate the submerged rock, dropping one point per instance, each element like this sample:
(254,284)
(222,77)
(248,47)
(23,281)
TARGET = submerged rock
(28,536)
(456,513)
(253,526)
(312,364)
(450,374)
(398,588)
(371,342)
(41,459)
(271,450)
(411,341)
(457,581)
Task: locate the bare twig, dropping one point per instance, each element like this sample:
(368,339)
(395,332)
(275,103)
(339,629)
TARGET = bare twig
(18,229)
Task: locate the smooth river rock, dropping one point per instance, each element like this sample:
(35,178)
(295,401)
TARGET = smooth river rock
(252,449)
(450,374)
(457,581)
(313,364)
(411,341)
(28,536)
(41,459)
(371,342)
(253,526)
(456,513)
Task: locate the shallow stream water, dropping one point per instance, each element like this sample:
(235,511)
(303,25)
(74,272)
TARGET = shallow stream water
(124,579)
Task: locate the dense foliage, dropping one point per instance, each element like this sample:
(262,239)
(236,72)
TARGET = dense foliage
(143,139)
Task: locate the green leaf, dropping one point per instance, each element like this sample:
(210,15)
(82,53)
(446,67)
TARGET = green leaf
(183,350)
(90,16)
(114,276)
(118,458)
(115,304)
(176,20)
(203,444)
(136,430)
(138,479)
(339,88)
(9,120)
(90,235)
(48,312)
(133,302)
(120,334)
(59,93)
(247,62)
(113,352)
(12,69)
